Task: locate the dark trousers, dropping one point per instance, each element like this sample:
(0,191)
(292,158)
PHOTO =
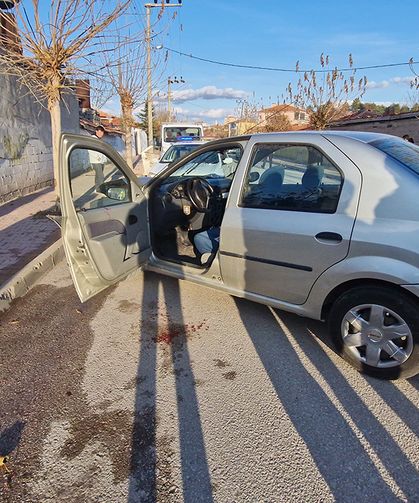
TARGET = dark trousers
(99,177)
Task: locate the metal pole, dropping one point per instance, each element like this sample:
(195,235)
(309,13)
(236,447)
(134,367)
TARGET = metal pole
(168,99)
(149,83)
(148,7)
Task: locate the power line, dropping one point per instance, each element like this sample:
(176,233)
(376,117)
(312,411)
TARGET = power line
(289,70)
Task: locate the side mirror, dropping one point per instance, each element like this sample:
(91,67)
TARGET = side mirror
(117,190)
(117,193)
(253,176)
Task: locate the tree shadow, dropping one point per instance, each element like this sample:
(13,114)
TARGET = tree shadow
(398,402)
(338,454)
(142,480)
(391,455)
(12,205)
(414,381)
(10,438)
(172,337)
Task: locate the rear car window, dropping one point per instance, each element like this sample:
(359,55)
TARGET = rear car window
(403,151)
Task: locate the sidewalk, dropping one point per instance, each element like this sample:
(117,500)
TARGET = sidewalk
(25,232)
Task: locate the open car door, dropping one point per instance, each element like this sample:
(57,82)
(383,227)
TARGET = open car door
(105,229)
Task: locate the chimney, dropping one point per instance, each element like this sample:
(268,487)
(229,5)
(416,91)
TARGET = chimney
(9,38)
(83,93)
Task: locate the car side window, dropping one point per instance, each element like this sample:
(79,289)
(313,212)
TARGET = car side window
(293,178)
(218,163)
(96,181)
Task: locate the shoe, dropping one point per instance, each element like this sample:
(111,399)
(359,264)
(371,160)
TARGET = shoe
(205,257)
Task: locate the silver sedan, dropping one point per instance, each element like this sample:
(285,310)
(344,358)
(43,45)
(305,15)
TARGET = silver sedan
(322,224)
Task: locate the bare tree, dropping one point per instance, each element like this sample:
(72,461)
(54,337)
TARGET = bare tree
(126,73)
(277,122)
(49,48)
(326,94)
(162,116)
(413,95)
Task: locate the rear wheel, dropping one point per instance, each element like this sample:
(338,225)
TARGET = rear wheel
(377,331)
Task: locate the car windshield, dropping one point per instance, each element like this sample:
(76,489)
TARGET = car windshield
(403,151)
(218,163)
(175,152)
(179,133)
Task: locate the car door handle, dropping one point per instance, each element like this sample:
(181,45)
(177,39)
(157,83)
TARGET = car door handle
(132,219)
(329,236)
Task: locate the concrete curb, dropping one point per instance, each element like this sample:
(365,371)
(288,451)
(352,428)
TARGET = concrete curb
(26,278)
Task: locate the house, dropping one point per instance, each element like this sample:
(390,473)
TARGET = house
(298,117)
(237,126)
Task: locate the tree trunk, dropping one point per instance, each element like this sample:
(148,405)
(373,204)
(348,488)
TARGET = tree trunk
(128,120)
(55,113)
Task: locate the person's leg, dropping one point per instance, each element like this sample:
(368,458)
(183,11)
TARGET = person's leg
(214,235)
(207,243)
(203,242)
(99,178)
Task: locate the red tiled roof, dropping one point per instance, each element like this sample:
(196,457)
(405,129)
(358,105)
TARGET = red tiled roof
(282,108)
(90,126)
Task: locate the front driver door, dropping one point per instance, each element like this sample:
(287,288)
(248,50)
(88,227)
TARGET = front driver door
(105,228)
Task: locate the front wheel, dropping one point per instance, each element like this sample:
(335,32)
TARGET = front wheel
(377,331)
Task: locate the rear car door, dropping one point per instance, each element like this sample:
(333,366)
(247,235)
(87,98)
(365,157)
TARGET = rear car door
(105,229)
(289,217)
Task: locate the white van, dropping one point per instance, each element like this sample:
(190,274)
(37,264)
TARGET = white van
(172,133)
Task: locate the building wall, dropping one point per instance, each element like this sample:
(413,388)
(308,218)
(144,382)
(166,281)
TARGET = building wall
(398,127)
(25,139)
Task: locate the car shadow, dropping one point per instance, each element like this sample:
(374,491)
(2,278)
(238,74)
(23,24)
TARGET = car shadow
(144,484)
(334,445)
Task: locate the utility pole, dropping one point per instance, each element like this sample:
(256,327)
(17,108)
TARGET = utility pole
(148,7)
(170,81)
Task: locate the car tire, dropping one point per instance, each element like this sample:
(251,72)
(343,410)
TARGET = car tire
(377,331)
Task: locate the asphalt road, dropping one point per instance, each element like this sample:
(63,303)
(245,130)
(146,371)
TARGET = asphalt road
(163,391)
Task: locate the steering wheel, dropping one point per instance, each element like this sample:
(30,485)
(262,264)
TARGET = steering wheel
(199,192)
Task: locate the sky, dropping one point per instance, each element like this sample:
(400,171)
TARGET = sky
(276,33)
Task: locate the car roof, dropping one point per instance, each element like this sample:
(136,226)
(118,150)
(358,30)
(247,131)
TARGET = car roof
(365,137)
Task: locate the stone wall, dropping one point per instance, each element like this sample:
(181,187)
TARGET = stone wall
(25,139)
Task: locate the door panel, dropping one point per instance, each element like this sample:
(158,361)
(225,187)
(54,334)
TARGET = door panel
(114,242)
(105,217)
(283,228)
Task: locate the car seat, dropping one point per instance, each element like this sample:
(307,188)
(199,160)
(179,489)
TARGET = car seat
(271,180)
(312,179)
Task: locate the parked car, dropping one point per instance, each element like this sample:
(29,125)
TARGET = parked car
(322,224)
(174,153)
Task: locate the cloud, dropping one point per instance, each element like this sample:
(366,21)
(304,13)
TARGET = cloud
(206,93)
(382,84)
(210,114)
(377,85)
(402,80)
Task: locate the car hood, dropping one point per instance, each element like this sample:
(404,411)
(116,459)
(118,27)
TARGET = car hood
(157,167)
